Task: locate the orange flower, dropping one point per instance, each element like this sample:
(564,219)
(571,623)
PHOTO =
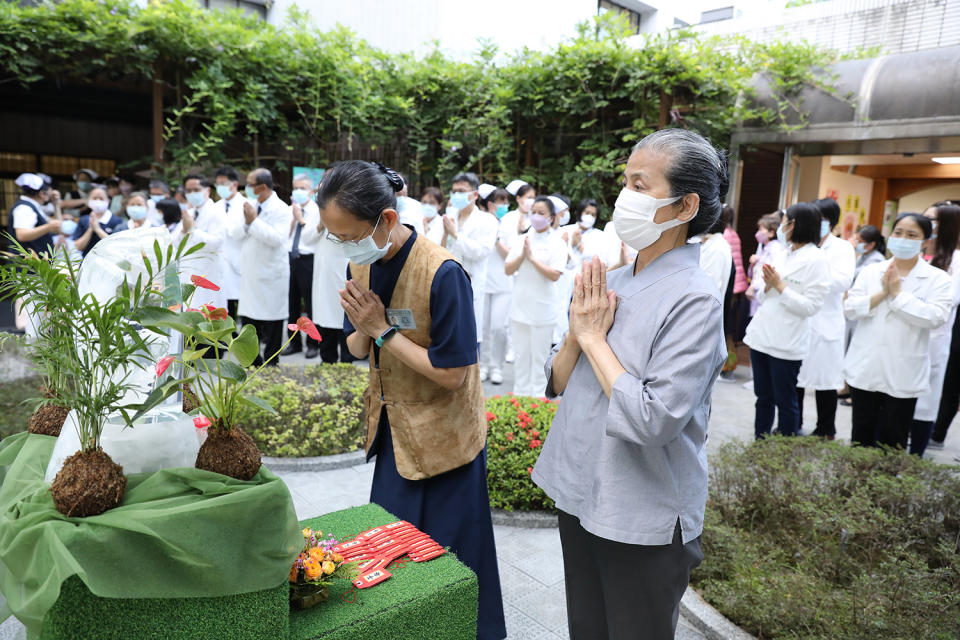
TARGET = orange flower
(329,567)
(337,558)
(312,569)
(294,573)
(316,553)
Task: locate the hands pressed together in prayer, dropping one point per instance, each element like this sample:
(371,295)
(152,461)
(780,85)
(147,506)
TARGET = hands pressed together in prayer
(364,309)
(593,306)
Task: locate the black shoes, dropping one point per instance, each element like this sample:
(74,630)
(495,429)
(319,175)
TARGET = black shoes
(312,352)
(291,350)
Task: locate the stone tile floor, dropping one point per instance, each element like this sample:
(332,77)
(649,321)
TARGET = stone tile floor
(531,569)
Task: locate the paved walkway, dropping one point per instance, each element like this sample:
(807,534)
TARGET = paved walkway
(531,569)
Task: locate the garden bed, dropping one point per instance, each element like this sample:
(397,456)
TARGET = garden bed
(14,412)
(810,539)
(320,409)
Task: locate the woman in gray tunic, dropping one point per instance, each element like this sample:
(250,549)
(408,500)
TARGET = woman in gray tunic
(625,460)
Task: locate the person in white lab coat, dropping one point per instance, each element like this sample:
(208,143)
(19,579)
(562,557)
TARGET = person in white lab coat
(944,255)
(136,210)
(231,201)
(202,222)
(431,201)
(265,264)
(564,288)
(716,257)
(498,292)
(300,294)
(586,240)
(515,223)
(538,257)
(470,234)
(779,335)
(822,368)
(896,303)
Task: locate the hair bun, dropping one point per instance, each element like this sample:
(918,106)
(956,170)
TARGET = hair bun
(392,177)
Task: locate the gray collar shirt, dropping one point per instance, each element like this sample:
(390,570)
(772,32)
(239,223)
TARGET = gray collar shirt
(630,466)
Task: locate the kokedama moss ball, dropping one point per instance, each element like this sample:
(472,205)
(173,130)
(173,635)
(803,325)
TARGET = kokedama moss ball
(48,420)
(230,452)
(88,484)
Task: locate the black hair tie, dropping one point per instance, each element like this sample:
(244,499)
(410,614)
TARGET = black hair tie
(392,177)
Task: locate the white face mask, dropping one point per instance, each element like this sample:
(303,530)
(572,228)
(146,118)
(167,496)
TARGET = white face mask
(429,211)
(525,204)
(633,216)
(98,206)
(565,217)
(366,251)
(587,221)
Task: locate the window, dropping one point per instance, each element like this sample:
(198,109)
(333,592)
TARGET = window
(604,6)
(716,15)
(256,8)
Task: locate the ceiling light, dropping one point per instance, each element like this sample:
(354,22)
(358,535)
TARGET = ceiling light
(948,160)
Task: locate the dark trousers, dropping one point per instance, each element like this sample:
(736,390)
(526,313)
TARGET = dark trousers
(775,385)
(232,308)
(301,295)
(623,591)
(881,419)
(270,332)
(950,398)
(920,431)
(826,411)
(332,341)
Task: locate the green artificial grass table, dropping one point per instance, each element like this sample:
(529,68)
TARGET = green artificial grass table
(435,600)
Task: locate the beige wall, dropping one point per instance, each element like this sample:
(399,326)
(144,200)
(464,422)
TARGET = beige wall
(809,185)
(920,200)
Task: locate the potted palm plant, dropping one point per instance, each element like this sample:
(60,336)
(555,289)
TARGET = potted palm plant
(216,365)
(96,349)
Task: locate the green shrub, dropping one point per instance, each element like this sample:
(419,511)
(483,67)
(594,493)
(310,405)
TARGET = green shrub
(320,406)
(517,428)
(14,412)
(806,539)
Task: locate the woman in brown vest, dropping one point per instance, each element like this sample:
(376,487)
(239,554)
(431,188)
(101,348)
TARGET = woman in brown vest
(409,308)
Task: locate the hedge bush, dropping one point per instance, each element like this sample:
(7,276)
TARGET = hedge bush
(518,426)
(320,406)
(14,412)
(807,539)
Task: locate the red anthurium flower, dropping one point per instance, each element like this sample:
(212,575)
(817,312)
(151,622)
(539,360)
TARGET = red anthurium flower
(163,363)
(306,325)
(218,314)
(203,283)
(201,422)
(192,309)
(293,328)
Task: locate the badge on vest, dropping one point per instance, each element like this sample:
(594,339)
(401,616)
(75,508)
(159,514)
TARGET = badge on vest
(402,318)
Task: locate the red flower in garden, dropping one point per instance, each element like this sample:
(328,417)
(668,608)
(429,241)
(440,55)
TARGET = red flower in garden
(530,470)
(535,434)
(534,406)
(203,283)
(510,437)
(306,325)
(535,443)
(494,397)
(163,363)
(491,416)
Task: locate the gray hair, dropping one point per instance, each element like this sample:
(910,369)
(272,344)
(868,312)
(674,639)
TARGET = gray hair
(160,184)
(304,176)
(695,166)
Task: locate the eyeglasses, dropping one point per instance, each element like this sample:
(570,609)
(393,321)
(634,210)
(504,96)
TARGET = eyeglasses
(351,243)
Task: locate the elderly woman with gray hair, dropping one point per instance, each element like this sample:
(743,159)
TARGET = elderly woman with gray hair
(625,460)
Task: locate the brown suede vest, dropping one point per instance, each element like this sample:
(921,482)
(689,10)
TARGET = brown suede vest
(434,429)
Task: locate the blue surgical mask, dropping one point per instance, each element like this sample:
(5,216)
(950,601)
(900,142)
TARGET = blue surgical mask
(223,190)
(824,228)
(366,251)
(300,196)
(157,197)
(502,210)
(196,198)
(251,194)
(459,200)
(83,185)
(429,211)
(67,227)
(136,212)
(861,249)
(781,235)
(904,248)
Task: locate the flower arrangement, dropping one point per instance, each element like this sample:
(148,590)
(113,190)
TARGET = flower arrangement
(215,364)
(517,427)
(316,568)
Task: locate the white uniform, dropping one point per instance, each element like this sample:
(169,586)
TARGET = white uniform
(329,271)
(716,260)
(434,229)
(233,217)
(595,242)
(890,350)
(475,239)
(611,229)
(209,228)
(822,367)
(533,312)
(265,270)
(496,305)
(781,326)
(929,403)
(411,213)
